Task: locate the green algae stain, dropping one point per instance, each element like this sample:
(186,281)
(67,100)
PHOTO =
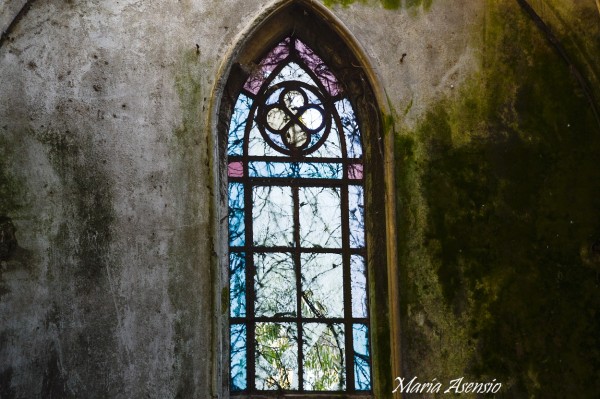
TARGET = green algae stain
(187,83)
(498,192)
(80,169)
(386,4)
(189,148)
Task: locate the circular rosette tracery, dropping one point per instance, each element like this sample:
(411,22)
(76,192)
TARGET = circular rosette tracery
(293,118)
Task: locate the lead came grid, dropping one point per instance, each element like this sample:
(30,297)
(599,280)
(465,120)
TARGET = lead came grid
(298,292)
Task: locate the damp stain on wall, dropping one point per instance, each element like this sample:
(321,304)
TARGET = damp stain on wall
(498,207)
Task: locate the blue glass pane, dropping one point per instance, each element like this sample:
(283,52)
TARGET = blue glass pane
(272,216)
(237,284)
(324,357)
(320,217)
(274,96)
(237,125)
(350,126)
(276,356)
(358,284)
(236,214)
(362,369)
(275,285)
(238,356)
(331,147)
(356,207)
(296,170)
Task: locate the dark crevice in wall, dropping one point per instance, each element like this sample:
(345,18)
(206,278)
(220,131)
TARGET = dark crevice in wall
(556,44)
(24,10)
(8,241)
(6,390)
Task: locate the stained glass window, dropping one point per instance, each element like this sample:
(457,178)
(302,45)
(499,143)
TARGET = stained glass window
(299,319)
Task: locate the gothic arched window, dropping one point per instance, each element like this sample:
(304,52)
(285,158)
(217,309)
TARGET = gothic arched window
(310,264)
(299,318)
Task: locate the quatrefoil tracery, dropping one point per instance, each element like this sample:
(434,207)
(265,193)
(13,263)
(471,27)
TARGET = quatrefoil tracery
(294,113)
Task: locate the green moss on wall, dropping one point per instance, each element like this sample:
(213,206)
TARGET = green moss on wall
(87,229)
(499,203)
(80,264)
(186,286)
(387,4)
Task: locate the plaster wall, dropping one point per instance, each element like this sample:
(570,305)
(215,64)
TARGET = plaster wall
(106,172)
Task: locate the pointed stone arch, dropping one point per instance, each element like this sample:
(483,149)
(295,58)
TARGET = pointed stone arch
(323,32)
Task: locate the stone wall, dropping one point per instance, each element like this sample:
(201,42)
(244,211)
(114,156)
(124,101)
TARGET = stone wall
(109,208)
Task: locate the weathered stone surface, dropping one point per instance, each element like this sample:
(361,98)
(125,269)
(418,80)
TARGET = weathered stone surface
(106,172)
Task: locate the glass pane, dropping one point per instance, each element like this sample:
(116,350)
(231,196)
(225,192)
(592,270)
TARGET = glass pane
(238,356)
(237,284)
(259,147)
(362,370)
(312,118)
(237,125)
(316,64)
(276,356)
(350,127)
(322,285)
(293,71)
(275,56)
(320,217)
(358,282)
(272,216)
(296,170)
(275,284)
(277,119)
(356,207)
(355,171)
(324,357)
(236,215)
(235,169)
(331,147)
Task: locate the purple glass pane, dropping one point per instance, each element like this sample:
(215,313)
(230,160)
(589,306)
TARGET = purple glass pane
(316,64)
(266,66)
(235,169)
(355,171)
(238,357)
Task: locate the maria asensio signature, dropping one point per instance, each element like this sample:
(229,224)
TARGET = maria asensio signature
(455,386)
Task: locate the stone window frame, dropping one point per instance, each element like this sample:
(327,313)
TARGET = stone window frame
(320,29)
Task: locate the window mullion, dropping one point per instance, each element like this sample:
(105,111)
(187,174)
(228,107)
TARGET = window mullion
(250,291)
(298,269)
(347,289)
